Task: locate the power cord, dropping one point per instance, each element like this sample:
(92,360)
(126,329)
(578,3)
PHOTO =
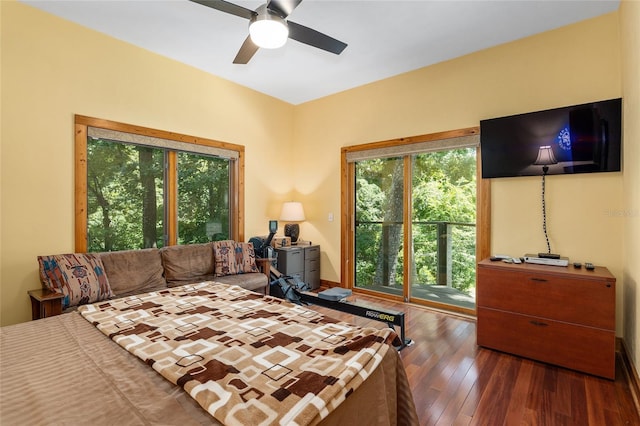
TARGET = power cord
(544,211)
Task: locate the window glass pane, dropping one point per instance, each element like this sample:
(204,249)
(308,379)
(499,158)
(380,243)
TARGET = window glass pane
(379,225)
(444,231)
(203,198)
(124,196)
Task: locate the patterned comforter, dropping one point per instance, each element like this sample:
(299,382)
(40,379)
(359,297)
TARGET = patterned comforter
(244,357)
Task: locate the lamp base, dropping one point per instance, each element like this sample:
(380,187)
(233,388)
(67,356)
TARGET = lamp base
(292,230)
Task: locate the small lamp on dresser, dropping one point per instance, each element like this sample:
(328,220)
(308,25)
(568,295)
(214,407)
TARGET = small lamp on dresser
(292,211)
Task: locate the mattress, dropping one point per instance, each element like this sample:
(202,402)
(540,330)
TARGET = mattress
(63,370)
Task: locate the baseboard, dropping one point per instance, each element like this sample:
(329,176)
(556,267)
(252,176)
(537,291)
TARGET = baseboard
(630,372)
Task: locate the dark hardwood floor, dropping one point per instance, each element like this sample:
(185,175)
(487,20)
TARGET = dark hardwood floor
(455,382)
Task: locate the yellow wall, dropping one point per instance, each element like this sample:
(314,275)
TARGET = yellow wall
(630,52)
(51,70)
(574,64)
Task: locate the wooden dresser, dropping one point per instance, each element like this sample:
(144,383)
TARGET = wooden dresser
(559,315)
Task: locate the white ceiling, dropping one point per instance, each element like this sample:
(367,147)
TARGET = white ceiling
(384,38)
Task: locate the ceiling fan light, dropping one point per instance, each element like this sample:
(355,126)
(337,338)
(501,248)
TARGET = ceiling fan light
(268,31)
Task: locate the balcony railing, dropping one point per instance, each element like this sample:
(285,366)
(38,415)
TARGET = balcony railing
(443,253)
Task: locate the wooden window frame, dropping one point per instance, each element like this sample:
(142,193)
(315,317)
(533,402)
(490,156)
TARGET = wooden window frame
(236,204)
(347,183)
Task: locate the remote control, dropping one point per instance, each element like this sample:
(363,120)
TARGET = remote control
(499,257)
(589,266)
(577,265)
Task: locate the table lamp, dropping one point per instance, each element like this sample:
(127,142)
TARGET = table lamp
(292,211)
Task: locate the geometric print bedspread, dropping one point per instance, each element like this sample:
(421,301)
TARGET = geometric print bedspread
(246,358)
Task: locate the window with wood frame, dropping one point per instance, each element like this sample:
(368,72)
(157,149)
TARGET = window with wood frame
(138,187)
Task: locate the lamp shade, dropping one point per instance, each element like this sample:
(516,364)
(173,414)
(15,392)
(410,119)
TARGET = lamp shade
(267,29)
(545,156)
(292,211)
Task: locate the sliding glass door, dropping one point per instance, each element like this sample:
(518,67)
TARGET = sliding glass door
(413,220)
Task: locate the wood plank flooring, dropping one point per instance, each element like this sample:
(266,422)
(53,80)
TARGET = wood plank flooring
(455,382)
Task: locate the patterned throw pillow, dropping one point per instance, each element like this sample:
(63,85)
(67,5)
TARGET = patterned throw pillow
(233,258)
(224,256)
(79,277)
(245,258)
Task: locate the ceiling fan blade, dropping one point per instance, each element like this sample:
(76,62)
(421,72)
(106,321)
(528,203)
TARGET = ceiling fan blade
(283,7)
(315,38)
(246,52)
(225,6)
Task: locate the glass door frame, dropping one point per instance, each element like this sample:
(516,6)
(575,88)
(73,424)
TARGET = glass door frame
(347,183)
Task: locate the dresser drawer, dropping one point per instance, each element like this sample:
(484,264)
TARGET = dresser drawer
(312,277)
(312,252)
(313,263)
(572,346)
(580,300)
(291,260)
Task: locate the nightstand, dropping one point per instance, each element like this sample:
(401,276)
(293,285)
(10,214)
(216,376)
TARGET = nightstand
(302,262)
(45,303)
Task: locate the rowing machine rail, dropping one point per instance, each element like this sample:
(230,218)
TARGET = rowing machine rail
(389,317)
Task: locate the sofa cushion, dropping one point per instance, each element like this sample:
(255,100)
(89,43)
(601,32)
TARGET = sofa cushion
(80,277)
(255,282)
(188,263)
(134,271)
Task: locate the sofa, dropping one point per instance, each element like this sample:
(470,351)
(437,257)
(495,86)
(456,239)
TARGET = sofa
(92,277)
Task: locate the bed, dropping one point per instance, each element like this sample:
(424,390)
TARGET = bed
(208,353)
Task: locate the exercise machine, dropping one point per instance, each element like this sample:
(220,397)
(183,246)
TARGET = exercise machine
(334,300)
(296,291)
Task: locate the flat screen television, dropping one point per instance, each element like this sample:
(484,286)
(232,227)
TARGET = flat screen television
(583,138)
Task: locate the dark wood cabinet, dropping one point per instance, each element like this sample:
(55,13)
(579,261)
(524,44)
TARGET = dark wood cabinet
(559,315)
(45,303)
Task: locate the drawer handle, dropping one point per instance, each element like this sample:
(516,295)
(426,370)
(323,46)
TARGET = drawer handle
(539,324)
(540,280)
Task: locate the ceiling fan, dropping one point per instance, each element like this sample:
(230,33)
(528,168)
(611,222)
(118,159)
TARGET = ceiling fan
(268,28)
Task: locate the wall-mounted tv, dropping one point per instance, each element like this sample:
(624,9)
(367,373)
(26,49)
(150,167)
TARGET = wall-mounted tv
(583,138)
